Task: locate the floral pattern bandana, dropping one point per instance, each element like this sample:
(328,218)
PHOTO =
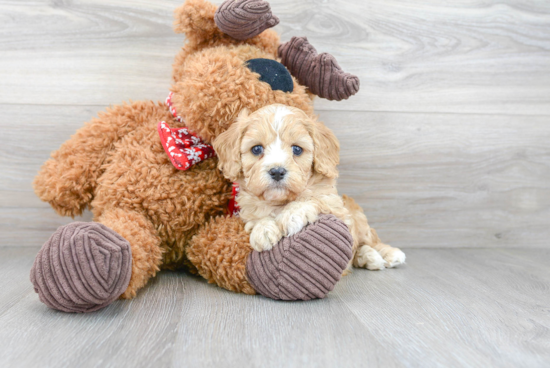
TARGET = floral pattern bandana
(233,207)
(183,147)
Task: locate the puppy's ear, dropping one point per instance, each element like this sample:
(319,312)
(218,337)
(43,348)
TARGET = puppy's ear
(228,148)
(326,152)
(243,114)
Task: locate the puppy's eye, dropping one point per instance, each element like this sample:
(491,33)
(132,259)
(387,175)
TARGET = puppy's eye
(257,150)
(297,150)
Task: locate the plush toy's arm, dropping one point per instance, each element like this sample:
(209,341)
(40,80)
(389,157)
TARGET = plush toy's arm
(68,179)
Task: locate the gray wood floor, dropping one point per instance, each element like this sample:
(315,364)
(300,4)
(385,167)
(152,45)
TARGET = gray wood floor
(445,308)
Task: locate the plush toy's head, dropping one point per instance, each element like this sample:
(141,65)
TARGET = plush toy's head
(213,85)
(232,61)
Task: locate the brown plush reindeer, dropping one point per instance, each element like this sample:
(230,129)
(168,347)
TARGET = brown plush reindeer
(158,198)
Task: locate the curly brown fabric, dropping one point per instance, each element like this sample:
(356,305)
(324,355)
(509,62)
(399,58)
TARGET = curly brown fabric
(83,267)
(219,252)
(304,266)
(319,72)
(244,19)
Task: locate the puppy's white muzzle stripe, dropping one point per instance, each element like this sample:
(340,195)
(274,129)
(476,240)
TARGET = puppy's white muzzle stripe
(275,155)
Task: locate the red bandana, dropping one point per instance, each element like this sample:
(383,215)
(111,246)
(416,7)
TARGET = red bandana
(233,208)
(183,147)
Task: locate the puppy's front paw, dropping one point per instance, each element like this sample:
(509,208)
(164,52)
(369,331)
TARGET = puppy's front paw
(292,224)
(295,216)
(265,235)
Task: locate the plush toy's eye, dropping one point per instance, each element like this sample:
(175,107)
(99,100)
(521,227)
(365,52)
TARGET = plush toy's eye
(257,150)
(297,150)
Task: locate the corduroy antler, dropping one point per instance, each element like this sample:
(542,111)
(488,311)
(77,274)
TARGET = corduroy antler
(319,72)
(244,19)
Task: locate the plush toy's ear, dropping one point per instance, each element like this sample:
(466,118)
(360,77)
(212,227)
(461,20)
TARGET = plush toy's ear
(320,73)
(228,147)
(326,152)
(195,18)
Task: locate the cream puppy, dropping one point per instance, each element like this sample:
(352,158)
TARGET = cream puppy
(285,164)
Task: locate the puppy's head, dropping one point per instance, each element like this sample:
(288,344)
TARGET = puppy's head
(275,151)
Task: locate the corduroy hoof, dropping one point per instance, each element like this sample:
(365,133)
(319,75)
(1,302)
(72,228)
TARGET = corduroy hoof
(304,266)
(83,267)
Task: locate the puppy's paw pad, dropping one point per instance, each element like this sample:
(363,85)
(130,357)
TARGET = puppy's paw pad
(370,259)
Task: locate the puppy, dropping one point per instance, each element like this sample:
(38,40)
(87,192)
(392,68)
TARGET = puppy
(285,165)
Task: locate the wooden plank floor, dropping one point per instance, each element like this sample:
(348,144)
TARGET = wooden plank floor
(446,308)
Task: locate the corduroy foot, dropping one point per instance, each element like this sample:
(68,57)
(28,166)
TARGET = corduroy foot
(304,266)
(83,267)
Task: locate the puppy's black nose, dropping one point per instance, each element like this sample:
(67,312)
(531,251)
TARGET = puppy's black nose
(277,173)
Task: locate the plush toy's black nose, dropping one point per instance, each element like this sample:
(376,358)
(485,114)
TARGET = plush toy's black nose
(277,173)
(273,73)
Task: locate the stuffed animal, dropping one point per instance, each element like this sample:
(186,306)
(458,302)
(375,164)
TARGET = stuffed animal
(149,174)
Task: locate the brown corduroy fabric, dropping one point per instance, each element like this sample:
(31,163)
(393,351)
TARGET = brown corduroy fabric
(244,19)
(304,266)
(83,267)
(319,72)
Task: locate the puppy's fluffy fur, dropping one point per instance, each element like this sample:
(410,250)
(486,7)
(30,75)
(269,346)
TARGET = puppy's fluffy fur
(285,164)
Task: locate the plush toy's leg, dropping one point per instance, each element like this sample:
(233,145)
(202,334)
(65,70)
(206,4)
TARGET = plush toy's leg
(83,267)
(219,252)
(144,243)
(301,267)
(371,252)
